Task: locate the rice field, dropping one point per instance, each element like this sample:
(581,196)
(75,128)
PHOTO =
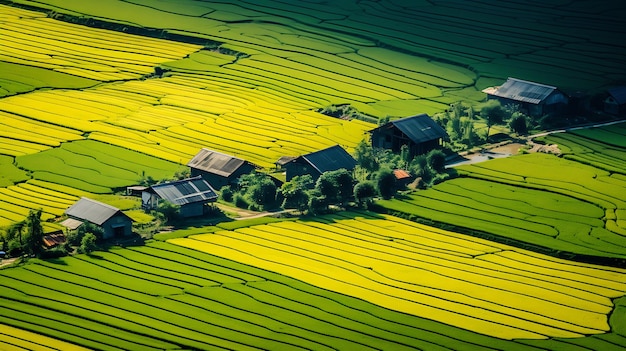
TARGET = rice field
(203,292)
(570,204)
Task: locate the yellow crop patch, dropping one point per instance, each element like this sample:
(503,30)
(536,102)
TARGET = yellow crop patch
(461,281)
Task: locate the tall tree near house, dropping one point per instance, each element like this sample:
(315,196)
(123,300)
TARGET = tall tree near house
(33,242)
(493,113)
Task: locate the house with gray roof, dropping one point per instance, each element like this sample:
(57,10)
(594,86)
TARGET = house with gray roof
(615,103)
(420,133)
(318,162)
(113,221)
(191,194)
(217,168)
(534,99)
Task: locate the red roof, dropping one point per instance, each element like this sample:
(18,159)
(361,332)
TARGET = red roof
(401,174)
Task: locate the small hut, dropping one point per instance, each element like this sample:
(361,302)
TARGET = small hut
(535,99)
(114,222)
(420,133)
(318,162)
(217,168)
(191,194)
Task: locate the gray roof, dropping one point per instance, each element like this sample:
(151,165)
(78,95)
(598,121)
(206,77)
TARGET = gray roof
(215,162)
(619,94)
(329,159)
(186,191)
(521,90)
(93,211)
(420,128)
(71,223)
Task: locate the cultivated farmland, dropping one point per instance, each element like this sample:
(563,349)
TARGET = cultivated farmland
(573,204)
(167,296)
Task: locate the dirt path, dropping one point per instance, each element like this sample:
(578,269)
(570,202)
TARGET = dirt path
(7,261)
(247,214)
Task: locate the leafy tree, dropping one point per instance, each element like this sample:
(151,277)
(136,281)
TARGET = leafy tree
(317,205)
(263,192)
(88,243)
(386,183)
(436,160)
(295,193)
(335,186)
(170,211)
(364,156)
(493,113)
(364,192)
(33,242)
(519,123)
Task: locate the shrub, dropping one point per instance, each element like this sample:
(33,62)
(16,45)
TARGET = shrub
(364,192)
(436,161)
(386,183)
(88,243)
(240,201)
(226,193)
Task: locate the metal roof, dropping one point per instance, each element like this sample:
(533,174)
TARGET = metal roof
(215,162)
(619,94)
(186,191)
(92,211)
(329,159)
(522,90)
(71,223)
(420,128)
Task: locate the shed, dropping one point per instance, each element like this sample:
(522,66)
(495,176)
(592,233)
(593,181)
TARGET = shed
(217,168)
(420,133)
(113,221)
(190,194)
(535,99)
(318,162)
(403,178)
(615,103)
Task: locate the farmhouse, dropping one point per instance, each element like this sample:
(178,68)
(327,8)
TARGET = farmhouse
(615,103)
(535,99)
(113,221)
(420,133)
(217,168)
(190,194)
(318,162)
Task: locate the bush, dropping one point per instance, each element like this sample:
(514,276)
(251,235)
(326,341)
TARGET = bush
(241,202)
(226,193)
(519,124)
(386,183)
(88,244)
(436,161)
(364,192)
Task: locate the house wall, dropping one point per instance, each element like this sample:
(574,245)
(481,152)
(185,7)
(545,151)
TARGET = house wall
(293,169)
(217,181)
(192,210)
(118,221)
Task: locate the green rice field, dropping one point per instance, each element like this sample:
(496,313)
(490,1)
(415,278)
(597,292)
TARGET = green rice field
(573,204)
(200,293)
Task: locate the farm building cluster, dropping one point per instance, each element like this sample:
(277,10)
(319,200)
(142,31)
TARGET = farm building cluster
(211,170)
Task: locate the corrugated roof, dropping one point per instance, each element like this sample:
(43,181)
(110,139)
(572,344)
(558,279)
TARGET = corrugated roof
(53,240)
(522,90)
(420,128)
(71,223)
(215,162)
(329,159)
(401,174)
(186,191)
(92,211)
(619,94)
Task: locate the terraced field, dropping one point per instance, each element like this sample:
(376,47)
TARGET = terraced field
(573,204)
(167,296)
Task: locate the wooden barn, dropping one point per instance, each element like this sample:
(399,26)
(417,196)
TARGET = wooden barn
(318,162)
(615,103)
(217,168)
(113,221)
(534,99)
(420,133)
(191,194)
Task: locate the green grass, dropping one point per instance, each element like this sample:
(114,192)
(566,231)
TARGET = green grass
(16,78)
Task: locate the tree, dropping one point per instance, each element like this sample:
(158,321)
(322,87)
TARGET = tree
(518,123)
(33,242)
(335,186)
(263,192)
(364,156)
(364,192)
(88,243)
(295,193)
(436,160)
(386,183)
(493,113)
(169,211)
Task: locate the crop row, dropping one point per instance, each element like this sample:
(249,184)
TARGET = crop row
(30,38)
(192,299)
(426,281)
